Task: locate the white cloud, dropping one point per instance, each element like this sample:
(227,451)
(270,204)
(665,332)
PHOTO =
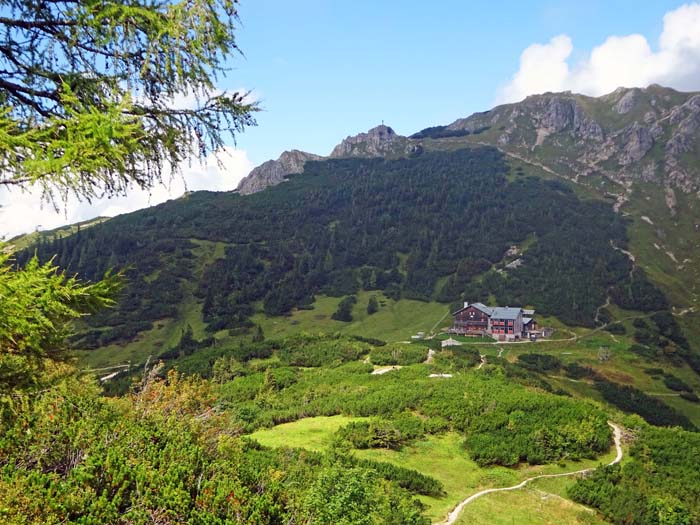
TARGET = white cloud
(22,212)
(626,61)
(543,67)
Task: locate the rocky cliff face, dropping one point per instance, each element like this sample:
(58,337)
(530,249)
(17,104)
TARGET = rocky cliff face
(381,141)
(650,134)
(273,172)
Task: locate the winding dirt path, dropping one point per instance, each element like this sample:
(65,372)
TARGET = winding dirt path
(452,516)
(596,320)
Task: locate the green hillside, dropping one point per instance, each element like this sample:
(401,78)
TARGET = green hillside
(435,227)
(309,348)
(346,231)
(268,298)
(22,242)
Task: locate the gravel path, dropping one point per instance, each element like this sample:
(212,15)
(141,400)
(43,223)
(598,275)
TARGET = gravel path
(452,516)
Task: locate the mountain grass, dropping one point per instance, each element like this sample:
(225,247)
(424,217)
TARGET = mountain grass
(528,506)
(165,334)
(312,433)
(442,457)
(675,234)
(394,321)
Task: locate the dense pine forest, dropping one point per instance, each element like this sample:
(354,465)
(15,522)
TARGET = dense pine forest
(433,227)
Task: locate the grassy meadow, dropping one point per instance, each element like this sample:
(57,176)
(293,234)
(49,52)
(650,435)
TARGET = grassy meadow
(442,457)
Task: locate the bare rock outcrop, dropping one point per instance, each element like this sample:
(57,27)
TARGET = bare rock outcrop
(627,102)
(650,134)
(377,142)
(637,140)
(380,141)
(273,172)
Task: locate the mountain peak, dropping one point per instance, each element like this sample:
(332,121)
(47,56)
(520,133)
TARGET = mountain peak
(273,172)
(382,132)
(378,141)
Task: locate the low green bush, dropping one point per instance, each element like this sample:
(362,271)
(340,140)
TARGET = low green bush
(398,354)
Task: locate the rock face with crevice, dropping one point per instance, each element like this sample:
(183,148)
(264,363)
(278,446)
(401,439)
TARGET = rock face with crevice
(627,101)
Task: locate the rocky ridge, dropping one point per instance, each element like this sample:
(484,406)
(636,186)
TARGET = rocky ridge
(273,172)
(631,134)
(650,134)
(380,141)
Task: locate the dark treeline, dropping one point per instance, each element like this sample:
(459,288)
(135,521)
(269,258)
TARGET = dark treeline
(343,225)
(631,399)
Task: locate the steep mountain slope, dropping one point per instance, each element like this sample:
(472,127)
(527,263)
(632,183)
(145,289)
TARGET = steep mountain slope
(430,218)
(26,240)
(629,135)
(640,147)
(437,226)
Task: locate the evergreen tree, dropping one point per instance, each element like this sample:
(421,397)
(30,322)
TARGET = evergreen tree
(37,306)
(344,311)
(86,107)
(372,305)
(87,91)
(259,335)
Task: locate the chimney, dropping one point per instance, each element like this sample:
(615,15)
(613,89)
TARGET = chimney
(466,303)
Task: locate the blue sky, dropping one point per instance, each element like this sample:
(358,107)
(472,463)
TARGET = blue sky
(326,69)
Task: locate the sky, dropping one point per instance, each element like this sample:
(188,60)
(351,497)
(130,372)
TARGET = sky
(325,69)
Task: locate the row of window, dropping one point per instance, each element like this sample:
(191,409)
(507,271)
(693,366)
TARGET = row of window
(502,331)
